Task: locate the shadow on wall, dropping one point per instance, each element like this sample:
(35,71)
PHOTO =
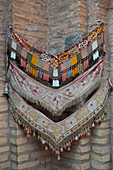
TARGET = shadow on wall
(72,39)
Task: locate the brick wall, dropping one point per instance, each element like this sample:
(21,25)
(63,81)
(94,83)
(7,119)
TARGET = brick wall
(30,18)
(65,23)
(101,154)
(55,25)
(110,55)
(5,156)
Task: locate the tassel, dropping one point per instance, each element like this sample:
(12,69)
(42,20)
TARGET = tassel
(55,83)
(76,138)
(61,150)
(14,117)
(25,130)
(93,125)
(30,132)
(47,144)
(88,134)
(68,149)
(57,152)
(73,140)
(43,142)
(38,137)
(51,147)
(64,147)
(99,121)
(58,158)
(28,135)
(55,72)
(5,89)
(54,151)
(34,133)
(23,126)
(46,148)
(13,55)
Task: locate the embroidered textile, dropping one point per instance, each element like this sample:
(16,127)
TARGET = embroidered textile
(65,96)
(74,60)
(61,132)
(82,44)
(84,59)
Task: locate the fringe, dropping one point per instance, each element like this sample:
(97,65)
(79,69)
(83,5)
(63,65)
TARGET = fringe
(81,127)
(57,112)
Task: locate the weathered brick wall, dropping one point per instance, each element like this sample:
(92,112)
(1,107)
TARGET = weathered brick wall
(5,148)
(66,21)
(110,55)
(30,18)
(100,141)
(55,25)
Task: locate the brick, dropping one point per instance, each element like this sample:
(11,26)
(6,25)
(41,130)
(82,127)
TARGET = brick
(97,165)
(23,157)
(32,3)
(43,13)
(14,132)
(12,140)
(76,156)
(39,33)
(42,162)
(3,99)
(20,20)
(29,8)
(26,147)
(21,140)
(28,164)
(62,163)
(104,125)
(42,27)
(3,141)
(4,132)
(5,165)
(19,132)
(2,85)
(3,107)
(3,124)
(84,140)
(100,141)
(17,4)
(14,166)
(13,157)
(14,149)
(12,124)
(3,157)
(40,154)
(52,167)
(32,39)
(100,158)
(19,13)
(41,4)
(44,168)
(101,149)
(3,116)
(36,18)
(4,149)
(83,166)
(81,149)
(48,159)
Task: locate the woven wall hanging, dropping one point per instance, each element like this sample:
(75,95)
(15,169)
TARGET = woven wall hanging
(32,78)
